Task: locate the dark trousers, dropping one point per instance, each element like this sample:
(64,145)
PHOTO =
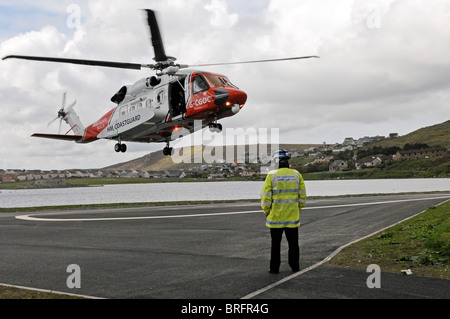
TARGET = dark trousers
(294,251)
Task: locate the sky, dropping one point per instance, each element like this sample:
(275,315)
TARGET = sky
(384,68)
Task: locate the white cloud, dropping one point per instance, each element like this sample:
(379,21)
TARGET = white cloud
(220,16)
(383,67)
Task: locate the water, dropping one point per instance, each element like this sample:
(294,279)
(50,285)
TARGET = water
(163,192)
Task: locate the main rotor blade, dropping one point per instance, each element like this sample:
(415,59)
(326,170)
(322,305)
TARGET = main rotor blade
(121,65)
(158,46)
(257,61)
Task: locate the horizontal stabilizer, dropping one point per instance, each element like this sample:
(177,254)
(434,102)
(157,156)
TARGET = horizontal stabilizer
(59,136)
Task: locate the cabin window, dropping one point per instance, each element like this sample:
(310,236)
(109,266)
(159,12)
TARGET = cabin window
(132,108)
(199,84)
(139,105)
(148,103)
(160,97)
(123,110)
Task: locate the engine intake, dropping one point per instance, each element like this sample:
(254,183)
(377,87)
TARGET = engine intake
(120,95)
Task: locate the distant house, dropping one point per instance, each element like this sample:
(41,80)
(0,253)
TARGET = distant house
(367,162)
(155,174)
(8,178)
(80,174)
(338,165)
(96,174)
(349,141)
(338,150)
(172,173)
(363,140)
(322,159)
(420,153)
(21,178)
(129,174)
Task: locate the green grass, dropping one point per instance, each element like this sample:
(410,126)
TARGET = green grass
(421,244)
(7,292)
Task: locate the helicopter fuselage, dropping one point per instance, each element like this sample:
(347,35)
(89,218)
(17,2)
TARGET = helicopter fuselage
(152,108)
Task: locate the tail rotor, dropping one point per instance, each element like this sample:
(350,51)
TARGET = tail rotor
(63,112)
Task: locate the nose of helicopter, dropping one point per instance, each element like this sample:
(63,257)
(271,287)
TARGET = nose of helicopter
(237,97)
(229,97)
(236,100)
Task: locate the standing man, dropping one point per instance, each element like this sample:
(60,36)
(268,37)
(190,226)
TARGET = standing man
(283,196)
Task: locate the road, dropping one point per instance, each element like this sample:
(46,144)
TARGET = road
(218,251)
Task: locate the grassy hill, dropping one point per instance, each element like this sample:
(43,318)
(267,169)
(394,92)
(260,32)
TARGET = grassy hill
(434,135)
(438,134)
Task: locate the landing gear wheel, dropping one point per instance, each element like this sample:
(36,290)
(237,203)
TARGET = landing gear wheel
(120,148)
(215,127)
(167,151)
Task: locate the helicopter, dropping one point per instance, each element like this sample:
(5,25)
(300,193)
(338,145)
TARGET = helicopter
(154,108)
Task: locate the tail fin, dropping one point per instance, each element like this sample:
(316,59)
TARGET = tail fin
(74,122)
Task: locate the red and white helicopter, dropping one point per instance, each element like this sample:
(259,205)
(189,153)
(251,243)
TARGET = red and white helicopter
(153,108)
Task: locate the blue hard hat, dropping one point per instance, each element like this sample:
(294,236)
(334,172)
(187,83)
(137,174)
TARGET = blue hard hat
(281,154)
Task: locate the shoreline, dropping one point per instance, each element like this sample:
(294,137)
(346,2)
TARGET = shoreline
(97,182)
(195,202)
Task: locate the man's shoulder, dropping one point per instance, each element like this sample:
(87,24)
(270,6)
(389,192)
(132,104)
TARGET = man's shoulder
(284,170)
(287,170)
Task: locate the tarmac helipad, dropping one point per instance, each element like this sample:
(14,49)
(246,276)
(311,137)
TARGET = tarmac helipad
(213,251)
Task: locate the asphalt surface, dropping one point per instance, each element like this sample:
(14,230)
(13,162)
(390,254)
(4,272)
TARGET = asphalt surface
(207,251)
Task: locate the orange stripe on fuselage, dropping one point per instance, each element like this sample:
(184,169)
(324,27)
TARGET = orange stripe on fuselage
(95,128)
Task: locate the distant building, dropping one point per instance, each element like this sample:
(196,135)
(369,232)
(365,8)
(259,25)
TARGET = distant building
(367,162)
(420,153)
(349,141)
(363,140)
(8,178)
(338,165)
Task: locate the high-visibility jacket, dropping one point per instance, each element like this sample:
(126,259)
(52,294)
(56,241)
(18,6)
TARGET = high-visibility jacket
(282,197)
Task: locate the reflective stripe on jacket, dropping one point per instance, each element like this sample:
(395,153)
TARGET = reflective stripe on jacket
(282,197)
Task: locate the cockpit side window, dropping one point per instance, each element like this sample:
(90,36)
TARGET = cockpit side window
(218,81)
(199,84)
(228,82)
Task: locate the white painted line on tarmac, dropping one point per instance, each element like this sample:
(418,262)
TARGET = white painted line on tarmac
(33,218)
(51,291)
